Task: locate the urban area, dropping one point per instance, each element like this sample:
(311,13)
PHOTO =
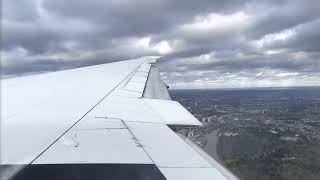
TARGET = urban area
(266,133)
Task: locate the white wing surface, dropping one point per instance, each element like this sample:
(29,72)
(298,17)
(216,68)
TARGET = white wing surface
(111,121)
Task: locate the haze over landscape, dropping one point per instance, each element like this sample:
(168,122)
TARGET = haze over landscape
(204,44)
(265,134)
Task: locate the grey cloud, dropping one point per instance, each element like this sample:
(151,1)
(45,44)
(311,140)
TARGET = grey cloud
(137,18)
(62,34)
(232,63)
(19,10)
(34,39)
(40,66)
(287,15)
(305,38)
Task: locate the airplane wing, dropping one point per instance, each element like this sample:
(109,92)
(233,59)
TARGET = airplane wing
(111,121)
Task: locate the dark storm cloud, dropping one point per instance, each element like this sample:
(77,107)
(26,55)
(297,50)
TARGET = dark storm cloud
(199,40)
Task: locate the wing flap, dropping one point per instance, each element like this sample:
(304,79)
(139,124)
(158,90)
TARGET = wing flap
(145,110)
(96,140)
(172,112)
(164,147)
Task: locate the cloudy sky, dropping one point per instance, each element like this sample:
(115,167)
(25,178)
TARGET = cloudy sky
(203,44)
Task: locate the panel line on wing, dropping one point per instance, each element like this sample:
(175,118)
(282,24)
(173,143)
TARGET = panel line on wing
(145,151)
(86,113)
(164,148)
(137,83)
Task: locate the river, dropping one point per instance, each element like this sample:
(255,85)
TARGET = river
(211,146)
